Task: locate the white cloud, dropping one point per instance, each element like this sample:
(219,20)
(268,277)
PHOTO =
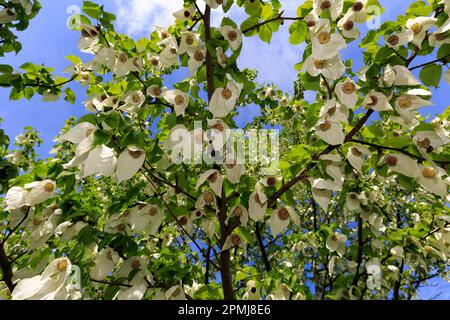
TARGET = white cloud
(136,17)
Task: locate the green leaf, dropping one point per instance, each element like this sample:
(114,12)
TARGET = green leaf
(298,31)
(431,75)
(70,96)
(101,137)
(265,33)
(91,9)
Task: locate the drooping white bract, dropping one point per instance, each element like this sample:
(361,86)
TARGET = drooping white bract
(223,100)
(214,178)
(133,101)
(129,162)
(50,285)
(169,55)
(104,263)
(419,26)
(330,68)
(39,191)
(178,99)
(124,64)
(156,91)
(376,101)
(196,58)
(232,35)
(7,15)
(207,198)
(336,243)
(334,111)
(100,161)
(234,240)
(44,229)
(359,10)
(326,45)
(15,198)
(185,14)
(330,131)
(347,92)
(175,293)
(188,42)
(397,40)
(407,104)
(430,179)
(281,218)
(373,267)
(440,37)
(334,7)
(257,205)
(402,164)
(347,24)
(239,212)
(356,156)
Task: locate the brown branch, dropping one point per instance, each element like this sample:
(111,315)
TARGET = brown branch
(262,247)
(178,221)
(5,265)
(279,17)
(359,253)
(327,150)
(431,62)
(401,150)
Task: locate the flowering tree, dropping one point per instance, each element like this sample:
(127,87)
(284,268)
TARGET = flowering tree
(156,194)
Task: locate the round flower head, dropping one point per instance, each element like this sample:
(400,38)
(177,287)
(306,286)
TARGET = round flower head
(39,191)
(402,164)
(196,58)
(238,212)
(330,131)
(214,178)
(356,156)
(224,100)
(104,263)
(397,40)
(232,35)
(334,7)
(376,101)
(257,205)
(336,243)
(184,14)
(188,42)
(347,92)
(326,45)
(129,162)
(330,68)
(280,219)
(178,99)
(419,26)
(430,179)
(440,36)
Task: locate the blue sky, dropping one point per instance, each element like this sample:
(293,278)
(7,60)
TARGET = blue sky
(48,41)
